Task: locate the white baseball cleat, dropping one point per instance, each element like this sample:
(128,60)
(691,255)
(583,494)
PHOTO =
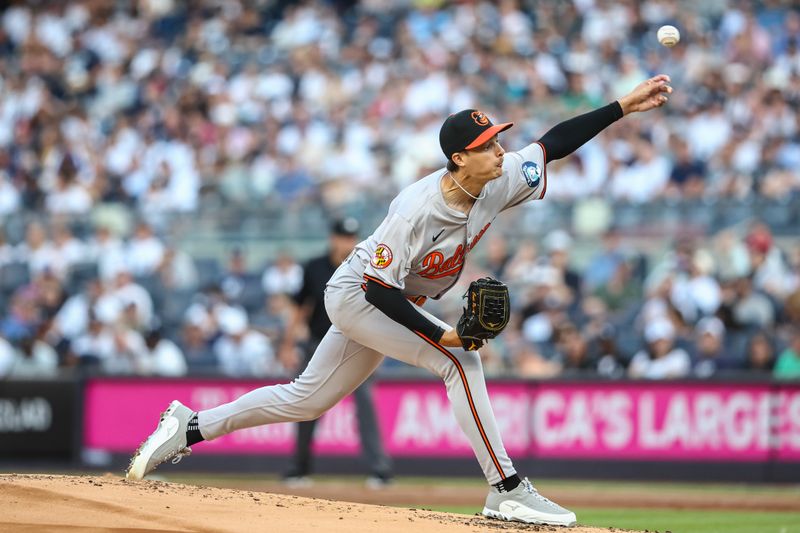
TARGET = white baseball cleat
(167,442)
(525,504)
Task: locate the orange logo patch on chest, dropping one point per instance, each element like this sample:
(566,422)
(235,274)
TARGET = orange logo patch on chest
(382,257)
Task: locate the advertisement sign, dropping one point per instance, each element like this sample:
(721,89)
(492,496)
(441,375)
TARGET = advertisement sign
(593,420)
(38,419)
(652,421)
(787,424)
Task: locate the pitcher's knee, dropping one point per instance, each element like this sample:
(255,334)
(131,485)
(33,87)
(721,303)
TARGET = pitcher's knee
(314,412)
(465,362)
(304,401)
(471,361)
(315,405)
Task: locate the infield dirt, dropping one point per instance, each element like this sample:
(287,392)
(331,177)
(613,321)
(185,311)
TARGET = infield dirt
(50,503)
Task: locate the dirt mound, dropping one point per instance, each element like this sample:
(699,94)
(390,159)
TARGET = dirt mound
(39,503)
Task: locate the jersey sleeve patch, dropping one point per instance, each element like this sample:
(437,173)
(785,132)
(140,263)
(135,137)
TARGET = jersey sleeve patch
(382,257)
(532,173)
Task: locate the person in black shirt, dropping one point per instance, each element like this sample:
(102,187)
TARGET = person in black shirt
(310,309)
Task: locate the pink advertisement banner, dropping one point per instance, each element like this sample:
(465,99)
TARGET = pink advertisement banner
(648,421)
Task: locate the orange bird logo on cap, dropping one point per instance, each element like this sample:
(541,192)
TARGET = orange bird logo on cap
(480,118)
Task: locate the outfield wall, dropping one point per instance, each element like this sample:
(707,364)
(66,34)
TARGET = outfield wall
(703,430)
(698,423)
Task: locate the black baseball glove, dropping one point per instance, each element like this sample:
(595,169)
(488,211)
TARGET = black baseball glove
(486,313)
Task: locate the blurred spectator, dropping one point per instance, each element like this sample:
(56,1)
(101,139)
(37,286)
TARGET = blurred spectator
(751,308)
(177,270)
(710,350)
(7,252)
(621,291)
(144,252)
(294,184)
(68,196)
(93,347)
(643,180)
(127,300)
(22,316)
(72,318)
(522,265)
(788,364)
(205,310)
(760,353)
(68,249)
(571,179)
(163,357)
(128,352)
(106,250)
(695,292)
(272,318)
(530,363)
(8,358)
(687,177)
(284,276)
(37,251)
(545,311)
(47,294)
(557,244)
(770,272)
(242,351)
(605,263)
(234,277)
(9,196)
(573,350)
(611,362)
(792,308)
(658,306)
(661,359)
(197,350)
(35,357)
(497,255)
(730,256)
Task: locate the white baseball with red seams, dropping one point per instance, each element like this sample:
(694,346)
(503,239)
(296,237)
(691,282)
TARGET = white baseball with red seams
(668,35)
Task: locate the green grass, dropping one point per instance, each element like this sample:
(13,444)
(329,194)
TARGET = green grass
(683,487)
(678,520)
(693,521)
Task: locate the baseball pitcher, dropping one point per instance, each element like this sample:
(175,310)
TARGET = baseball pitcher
(375,298)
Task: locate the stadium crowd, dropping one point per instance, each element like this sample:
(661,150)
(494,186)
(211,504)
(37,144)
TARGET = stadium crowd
(162,108)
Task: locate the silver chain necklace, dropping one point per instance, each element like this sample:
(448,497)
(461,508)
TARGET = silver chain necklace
(483,191)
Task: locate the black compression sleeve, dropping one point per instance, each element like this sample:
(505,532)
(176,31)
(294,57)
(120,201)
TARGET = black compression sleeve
(394,305)
(566,137)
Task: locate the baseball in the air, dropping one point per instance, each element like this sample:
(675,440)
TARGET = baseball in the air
(668,35)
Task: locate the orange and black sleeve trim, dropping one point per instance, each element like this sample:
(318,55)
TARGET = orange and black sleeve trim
(391,302)
(470,400)
(566,137)
(544,171)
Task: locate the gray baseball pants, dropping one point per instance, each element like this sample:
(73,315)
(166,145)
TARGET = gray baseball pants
(348,354)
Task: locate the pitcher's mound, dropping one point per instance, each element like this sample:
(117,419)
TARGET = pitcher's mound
(38,503)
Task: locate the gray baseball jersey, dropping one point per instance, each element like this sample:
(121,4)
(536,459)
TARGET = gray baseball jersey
(419,248)
(421,245)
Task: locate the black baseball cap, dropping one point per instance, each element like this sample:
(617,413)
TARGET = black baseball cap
(347,227)
(466,130)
